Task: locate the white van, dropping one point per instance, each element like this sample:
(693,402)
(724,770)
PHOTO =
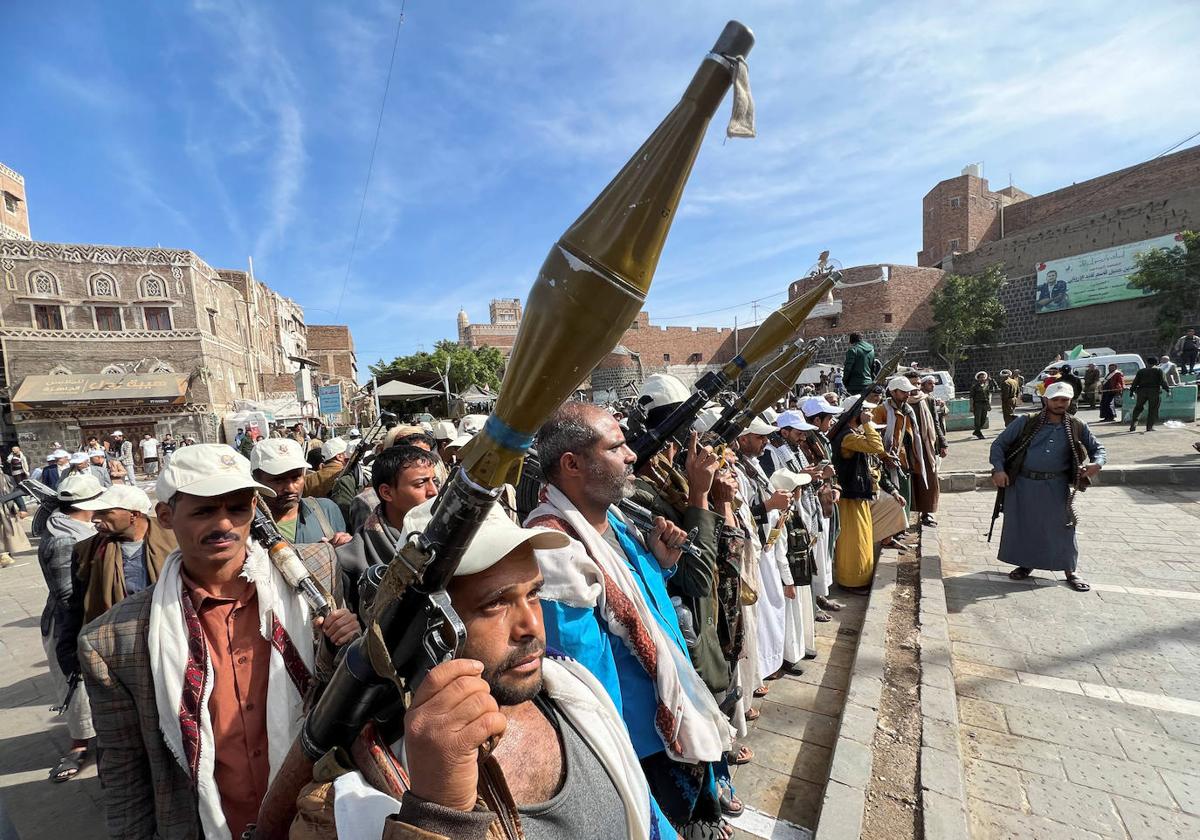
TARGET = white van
(1129,363)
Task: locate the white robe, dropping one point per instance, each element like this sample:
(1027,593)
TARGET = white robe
(773,618)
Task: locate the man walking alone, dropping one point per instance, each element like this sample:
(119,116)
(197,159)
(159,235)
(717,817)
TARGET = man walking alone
(1146,386)
(981,402)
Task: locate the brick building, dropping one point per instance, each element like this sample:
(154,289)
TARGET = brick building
(504,315)
(332,347)
(1142,202)
(14,213)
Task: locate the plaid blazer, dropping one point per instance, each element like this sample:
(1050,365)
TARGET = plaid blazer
(147,793)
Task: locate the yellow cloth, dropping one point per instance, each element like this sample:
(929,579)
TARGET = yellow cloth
(854,554)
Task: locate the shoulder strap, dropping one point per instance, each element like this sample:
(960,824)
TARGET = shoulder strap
(314,508)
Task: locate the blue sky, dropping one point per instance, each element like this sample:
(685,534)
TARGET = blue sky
(241,129)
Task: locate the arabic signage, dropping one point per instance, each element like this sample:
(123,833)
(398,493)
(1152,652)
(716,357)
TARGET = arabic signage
(1095,277)
(101,389)
(329,399)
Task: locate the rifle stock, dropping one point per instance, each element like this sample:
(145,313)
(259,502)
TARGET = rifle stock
(590,287)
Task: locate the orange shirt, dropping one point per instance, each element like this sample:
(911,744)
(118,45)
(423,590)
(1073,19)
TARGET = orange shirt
(240,659)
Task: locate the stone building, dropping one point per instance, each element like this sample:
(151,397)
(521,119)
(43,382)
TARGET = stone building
(95,337)
(504,316)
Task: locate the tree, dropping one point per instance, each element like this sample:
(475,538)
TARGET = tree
(468,366)
(966,310)
(1173,275)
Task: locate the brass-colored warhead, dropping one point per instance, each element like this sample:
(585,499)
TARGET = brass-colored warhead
(779,383)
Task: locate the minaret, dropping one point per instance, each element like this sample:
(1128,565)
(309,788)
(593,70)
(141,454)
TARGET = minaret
(463,323)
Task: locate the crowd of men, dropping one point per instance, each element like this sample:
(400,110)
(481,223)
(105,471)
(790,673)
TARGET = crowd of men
(618,653)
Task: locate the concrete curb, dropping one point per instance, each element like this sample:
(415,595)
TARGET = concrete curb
(1150,475)
(943,781)
(850,769)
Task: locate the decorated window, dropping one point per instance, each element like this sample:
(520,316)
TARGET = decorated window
(153,287)
(43,284)
(104,286)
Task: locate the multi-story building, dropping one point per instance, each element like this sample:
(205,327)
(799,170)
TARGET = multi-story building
(504,320)
(14,213)
(331,346)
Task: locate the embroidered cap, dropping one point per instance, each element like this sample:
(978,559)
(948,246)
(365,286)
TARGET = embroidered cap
(123,496)
(496,537)
(788,481)
(275,456)
(95,453)
(207,469)
(1060,389)
(80,487)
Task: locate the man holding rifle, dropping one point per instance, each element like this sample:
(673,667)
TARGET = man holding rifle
(198,682)
(606,605)
(563,766)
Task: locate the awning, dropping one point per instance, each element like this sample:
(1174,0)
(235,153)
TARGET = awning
(398,390)
(101,389)
(475,394)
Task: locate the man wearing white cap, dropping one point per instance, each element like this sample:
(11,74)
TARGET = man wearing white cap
(565,764)
(58,464)
(930,446)
(66,526)
(124,452)
(198,682)
(817,450)
(903,459)
(98,467)
(279,464)
(1037,465)
(124,557)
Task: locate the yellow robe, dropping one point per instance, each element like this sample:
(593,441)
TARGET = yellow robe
(854,553)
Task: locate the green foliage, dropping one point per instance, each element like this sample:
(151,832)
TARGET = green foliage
(1174,275)
(478,366)
(966,310)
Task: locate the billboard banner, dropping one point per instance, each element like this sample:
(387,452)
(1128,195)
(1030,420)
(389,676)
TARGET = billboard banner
(1095,277)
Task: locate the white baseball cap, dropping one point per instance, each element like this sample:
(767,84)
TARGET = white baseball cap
(1060,389)
(79,457)
(207,469)
(275,456)
(869,406)
(354,433)
(118,433)
(901,383)
(444,430)
(706,419)
(758,426)
(79,487)
(472,424)
(95,453)
(769,414)
(662,389)
(50,458)
(459,442)
(333,448)
(788,480)
(60,453)
(123,496)
(496,537)
(819,405)
(793,420)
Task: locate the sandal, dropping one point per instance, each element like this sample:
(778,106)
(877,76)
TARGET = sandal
(821,615)
(1020,573)
(1078,584)
(761,691)
(731,806)
(752,715)
(68,766)
(743,755)
(829,604)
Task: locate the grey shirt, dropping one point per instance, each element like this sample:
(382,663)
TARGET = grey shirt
(133,566)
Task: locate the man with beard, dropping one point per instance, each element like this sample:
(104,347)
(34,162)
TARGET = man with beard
(816,450)
(563,766)
(903,460)
(98,466)
(278,463)
(930,445)
(1037,465)
(606,605)
(198,682)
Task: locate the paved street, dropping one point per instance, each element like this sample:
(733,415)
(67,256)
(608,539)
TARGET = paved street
(1080,713)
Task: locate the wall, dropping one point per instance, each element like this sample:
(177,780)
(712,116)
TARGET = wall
(13,223)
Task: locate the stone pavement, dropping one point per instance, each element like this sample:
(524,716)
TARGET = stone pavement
(1079,714)
(31,737)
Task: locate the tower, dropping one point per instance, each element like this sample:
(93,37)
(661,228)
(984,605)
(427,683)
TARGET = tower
(14,213)
(463,324)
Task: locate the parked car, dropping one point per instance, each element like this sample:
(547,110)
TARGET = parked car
(943,388)
(1129,363)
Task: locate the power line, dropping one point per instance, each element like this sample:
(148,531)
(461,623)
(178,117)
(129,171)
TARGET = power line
(371,164)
